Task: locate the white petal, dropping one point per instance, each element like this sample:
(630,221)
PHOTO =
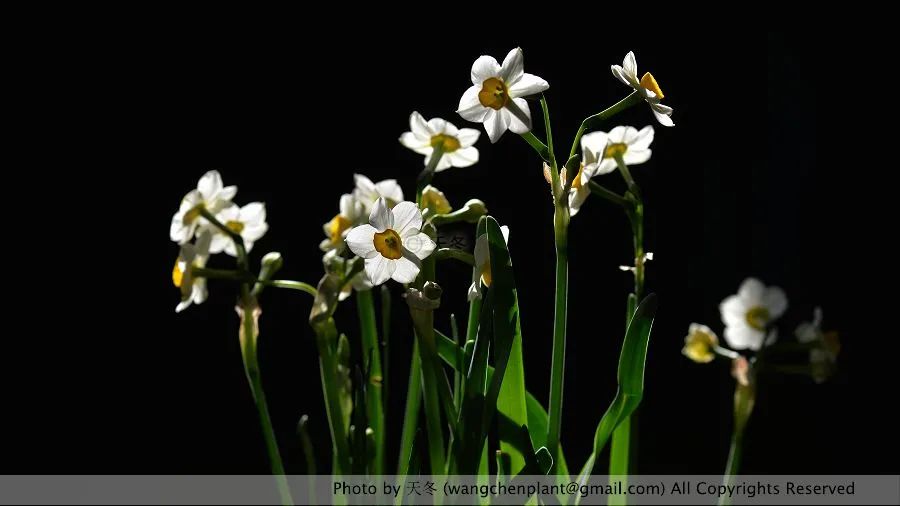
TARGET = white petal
(505,231)
(635,157)
(775,301)
(742,337)
(630,65)
(605,167)
(642,139)
(484,68)
(437,126)
(409,140)
(390,190)
(381,217)
(618,134)
(496,123)
(470,107)
(419,245)
(253,213)
(577,196)
(209,184)
(467,136)
(619,73)
(474,291)
(663,119)
(527,85)
(656,106)
(733,311)
(365,189)
(227,193)
(464,157)
(254,232)
(418,126)
(219,242)
(592,146)
(361,241)
(520,116)
(751,292)
(379,269)
(406,216)
(405,270)
(481,252)
(443,164)
(513,66)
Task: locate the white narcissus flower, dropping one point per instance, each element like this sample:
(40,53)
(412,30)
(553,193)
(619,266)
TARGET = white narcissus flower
(496,97)
(391,244)
(351,213)
(456,143)
(481,271)
(249,222)
(646,86)
(748,314)
(700,344)
(211,194)
(193,289)
(367,192)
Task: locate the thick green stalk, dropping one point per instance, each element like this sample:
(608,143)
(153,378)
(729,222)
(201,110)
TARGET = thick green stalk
(330,389)
(371,355)
(411,412)
(744,399)
(596,119)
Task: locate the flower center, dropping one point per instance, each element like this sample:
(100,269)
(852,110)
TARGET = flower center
(448,143)
(336,229)
(235,226)
(388,244)
(192,215)
(757,317)
(618,148)
(649,83)
(493,94)
(576,183)
(178,272)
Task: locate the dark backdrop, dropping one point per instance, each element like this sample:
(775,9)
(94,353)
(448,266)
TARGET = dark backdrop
(116,382)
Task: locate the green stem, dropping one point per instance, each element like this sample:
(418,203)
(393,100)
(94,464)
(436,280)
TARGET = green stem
(538,146)
(251,367)
(331,391)
(371,355)
(606,194)
(291,285)
(309,456)
(411,412)
(427,173)
(596,119)
(744,399)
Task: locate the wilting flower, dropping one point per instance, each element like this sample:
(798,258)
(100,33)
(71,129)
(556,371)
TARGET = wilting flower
(391,244)
(646,86)
(367,192)
(193,289)
(456,144)
(249,222)
(748,314)
(210,195)
(496,96)
(700,344)
(824,355)
(351,214)
(434,202)
(481,271)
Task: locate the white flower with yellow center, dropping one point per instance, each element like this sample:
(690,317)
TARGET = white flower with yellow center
(456,144)
(351,214)
(211,195)
(646,86)
(367,192)
(249,222)
(496,97)
(748,314)
(481,272)
(391,244)
(193,289)
(700,344)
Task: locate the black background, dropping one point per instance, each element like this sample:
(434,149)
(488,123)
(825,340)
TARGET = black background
(111,380)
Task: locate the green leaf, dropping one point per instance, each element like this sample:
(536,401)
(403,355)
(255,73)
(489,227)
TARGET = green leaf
(511,401)
(630,378)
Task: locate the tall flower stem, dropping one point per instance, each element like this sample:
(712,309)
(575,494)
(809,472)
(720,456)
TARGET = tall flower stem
(596,119)
(427,174)
(249,311)
(371,355)
(744,399)
(561,240)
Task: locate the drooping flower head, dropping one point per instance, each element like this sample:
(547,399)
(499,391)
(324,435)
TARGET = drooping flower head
(367,192)
(481,271)
(211,194)
(496,97)
(748,314)
(391,244)
(248,221)
(647,87)
(192,255)
(700,344)
(351,214)
(456,144)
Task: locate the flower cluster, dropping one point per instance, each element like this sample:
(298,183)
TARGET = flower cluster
(208,215)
